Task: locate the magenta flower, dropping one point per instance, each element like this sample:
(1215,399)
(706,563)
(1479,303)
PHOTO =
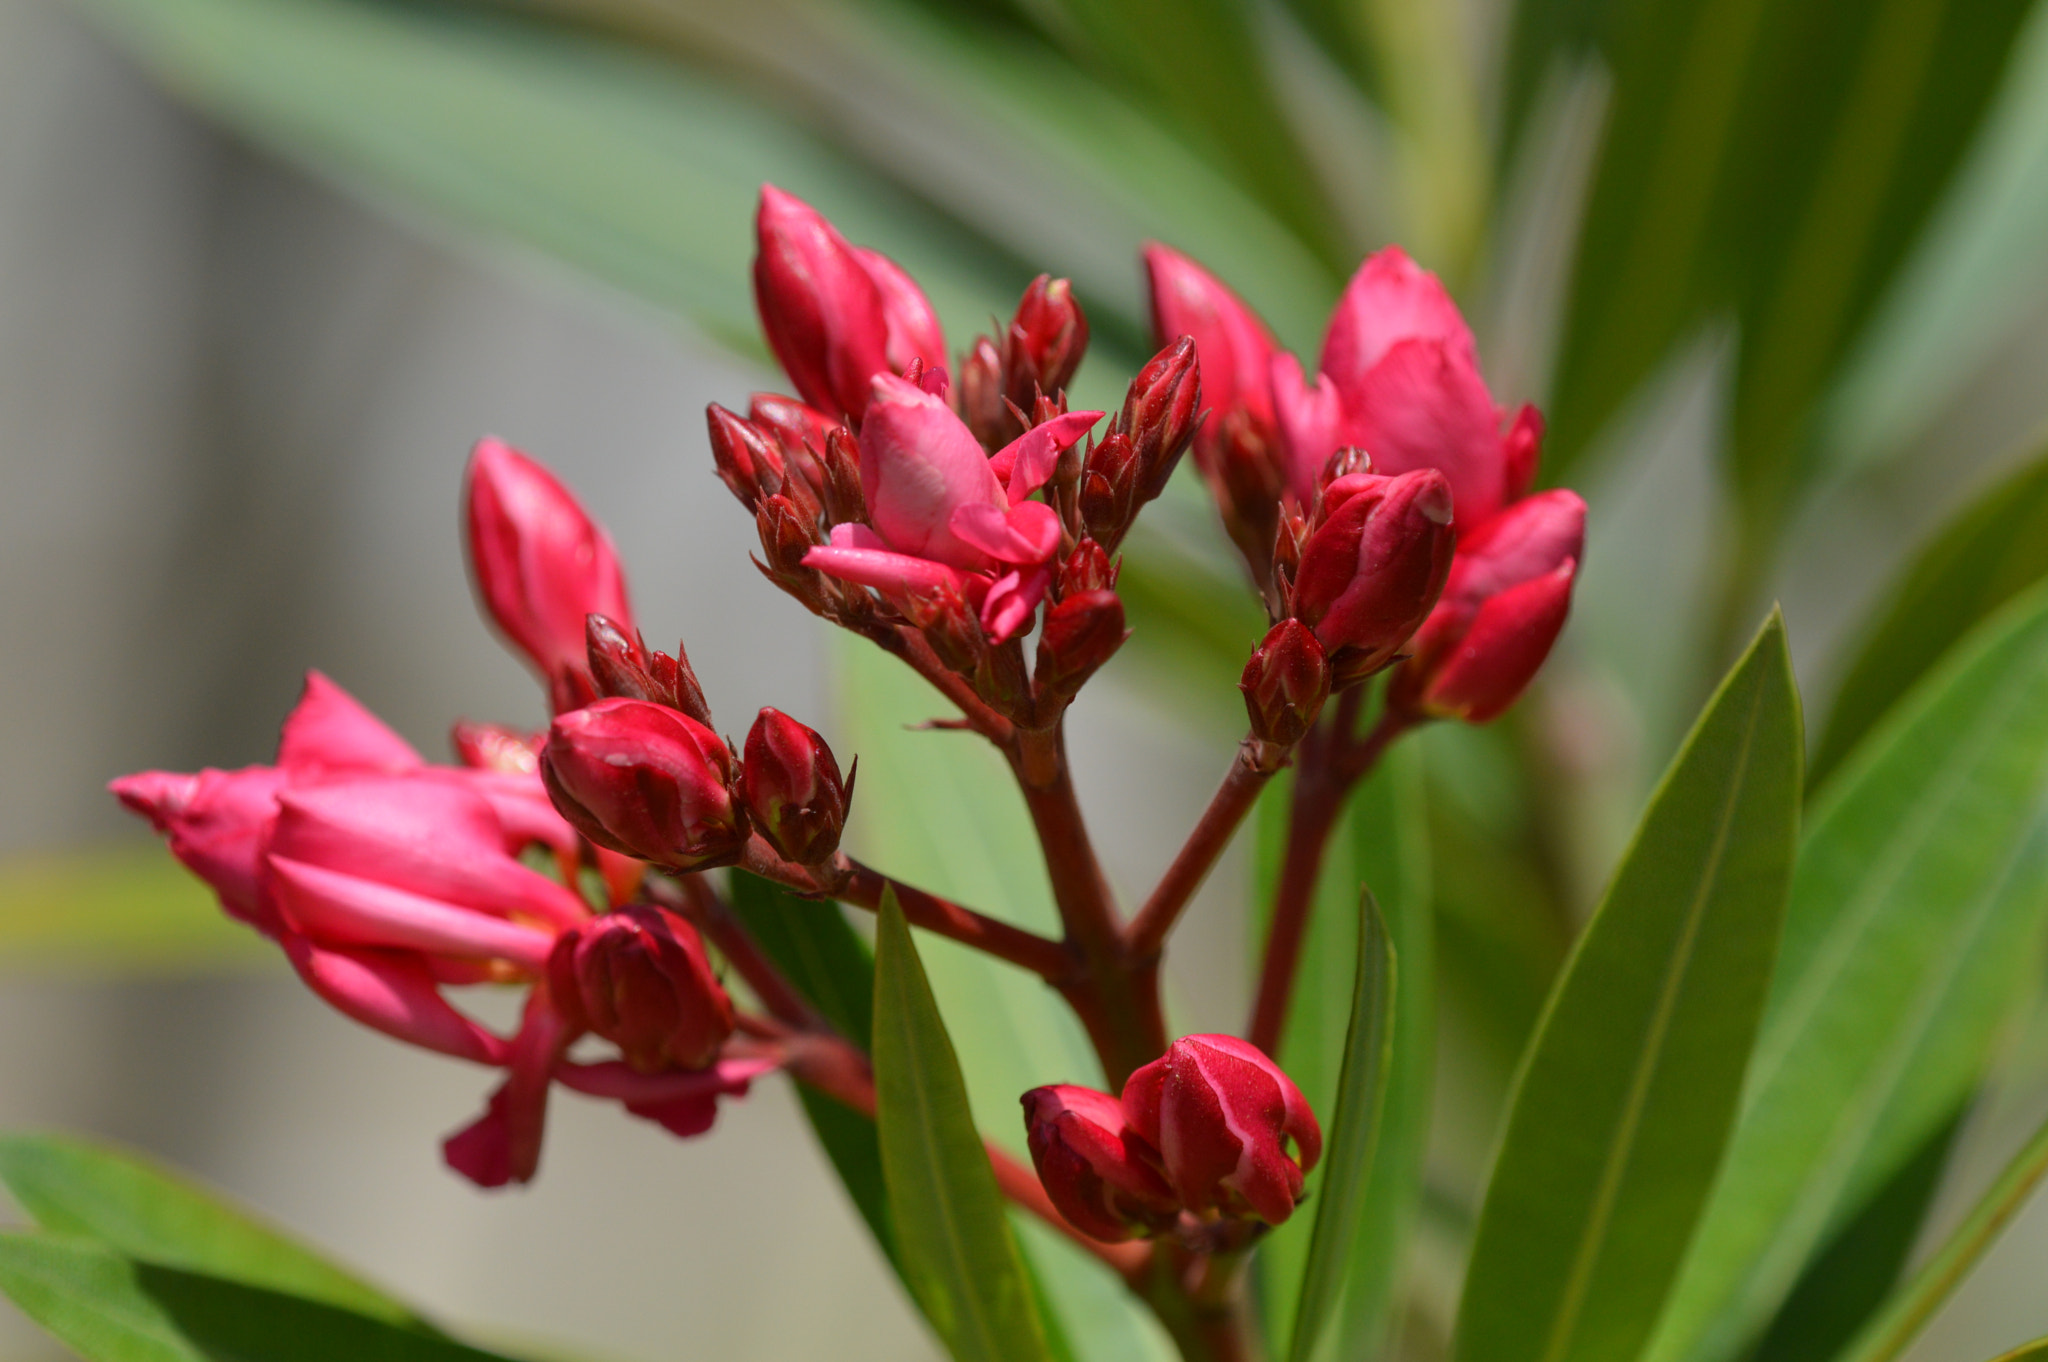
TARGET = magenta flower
(943,514)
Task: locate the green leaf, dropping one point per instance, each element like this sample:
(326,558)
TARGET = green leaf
(951,1236)
(1632,1082)
(1774,162)
(1846,1283)
(78,1188)
(1914,1303)
(2032,1352)
(115,910)
(1918,903)
(1382,842)
(110,1308)
(1354,1131)
(1992,550)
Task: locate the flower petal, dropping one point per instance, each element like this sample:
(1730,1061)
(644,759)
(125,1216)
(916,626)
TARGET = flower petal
(329,905)
(1390,299)
(883,570)
(1028,461)
(1028,533)
(330,728)
(395,994)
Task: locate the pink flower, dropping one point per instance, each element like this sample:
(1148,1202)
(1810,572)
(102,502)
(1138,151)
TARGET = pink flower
(1099,1173)
(1504,606)
(1221,1114)
(944,514)
(835,314)
(1235,348)
(541,566)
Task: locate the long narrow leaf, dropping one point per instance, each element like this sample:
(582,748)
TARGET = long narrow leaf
(71,1186)
(1992,550)
(1921,893)
(1632,1083)
(951,1236)
(111,1308)
(1354,1130)
(1914,1303)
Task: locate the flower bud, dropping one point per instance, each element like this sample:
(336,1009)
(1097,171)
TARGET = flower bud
(1087,568)
(949,624)
(792,788)
(1509,591)
(1112,483)
(625,668)
(639,977)
(820,307)
(540,564)
(748,462)
(981,396)
(845,504)
(1047,339)
(1285,683)
(1160,413)
(787,534)
(1080,634)
(1100,1175)
(1371,571)
(1220,1114)
(642,779)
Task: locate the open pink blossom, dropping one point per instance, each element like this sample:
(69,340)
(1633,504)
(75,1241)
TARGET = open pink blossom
(943,513)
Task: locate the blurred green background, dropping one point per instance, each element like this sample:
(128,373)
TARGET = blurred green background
(1777,274)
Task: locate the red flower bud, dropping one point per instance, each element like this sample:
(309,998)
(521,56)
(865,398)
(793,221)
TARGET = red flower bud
(1112,484)
(1160,412)
(1080,634)
(1220,1114)
(540,564)
(1510,589)
(1047,339)
(748,462)
(1100,1175)
(1371,571)
(981,396)
(624,667)
(639,977)
(1087,568)
(792,788)
(642,779)
(1285,683)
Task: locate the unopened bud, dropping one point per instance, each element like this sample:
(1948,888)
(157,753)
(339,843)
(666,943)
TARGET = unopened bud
(1346,462)
(639,977)
(748,463)
(624,667)
(845,504)
(1047,339)
(1111,485)
(645,780)
(1080,634)
(786,536)
(1371,572)
(1285,683)
(950,625)
(1100,1175)
(793,790)
(1221,1114)
(1087,568)
(981,396)
(1160,413)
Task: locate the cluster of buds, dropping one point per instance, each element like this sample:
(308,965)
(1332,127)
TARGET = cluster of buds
(1210,1131)
(940,517)
(1342,496)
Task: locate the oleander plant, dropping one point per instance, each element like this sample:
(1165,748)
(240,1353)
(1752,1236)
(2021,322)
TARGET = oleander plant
(1541,1063)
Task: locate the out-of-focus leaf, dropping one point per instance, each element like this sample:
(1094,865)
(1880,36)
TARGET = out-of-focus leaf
(74,1187)
(958,827)
(1916,1300)
(1995,548)
(1634,1078)
(111,1308)
(1848,1281)
(118,909)
(1382,845)
(951,1238)
(1773,161)
(818,951)
(1916,911)
(2032,1352)
(1355,1119)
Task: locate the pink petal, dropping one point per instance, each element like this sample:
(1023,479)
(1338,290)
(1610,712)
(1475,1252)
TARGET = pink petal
(1390,299)
(918,463)
(503,1146)
(1311,422)
(913,328)
(331,906)
(883,570)
(821,308)
(1028,461)
(520,801)
(395,994)
(330,728)
(218,824)
(1009,605)
(1510,636)
(1028,533)
(1525,541)
(614,1080)
(853,536)
(1424,406)
(1233,346)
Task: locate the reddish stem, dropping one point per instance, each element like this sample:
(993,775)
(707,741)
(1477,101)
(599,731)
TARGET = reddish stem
(1332,762)
(1198,855)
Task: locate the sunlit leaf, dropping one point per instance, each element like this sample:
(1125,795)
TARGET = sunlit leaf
(1633,1080)
(952,1239)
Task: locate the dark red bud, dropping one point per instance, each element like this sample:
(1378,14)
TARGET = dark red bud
(1371,572)
(639,977)
(792,788)
(1087,568)
(950,625)
(1221,1114)
(1047,339)
(845,504)
(623,666)
(981,396)
(645,780)
(1345,463)
(1111,487)
(1160,413)
(748,462)
(1100,1175)
(1080,634)
(1285,683)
